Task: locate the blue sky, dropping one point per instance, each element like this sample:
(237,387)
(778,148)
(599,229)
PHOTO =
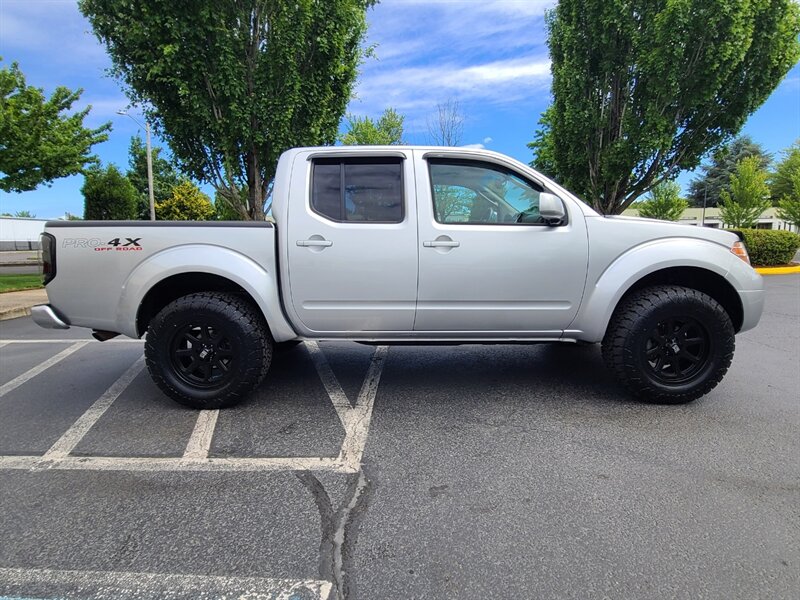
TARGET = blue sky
(490,56)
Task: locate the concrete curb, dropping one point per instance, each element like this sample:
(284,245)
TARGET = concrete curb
(778,270)
(15,313)
(19,303)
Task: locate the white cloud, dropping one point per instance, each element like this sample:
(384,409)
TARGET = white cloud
(419,88)
(482,54)
(487,140)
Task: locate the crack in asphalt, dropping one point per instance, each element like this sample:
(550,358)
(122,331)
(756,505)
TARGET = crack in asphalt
(339,528)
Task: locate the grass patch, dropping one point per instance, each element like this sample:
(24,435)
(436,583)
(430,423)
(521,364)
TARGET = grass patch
(13,283)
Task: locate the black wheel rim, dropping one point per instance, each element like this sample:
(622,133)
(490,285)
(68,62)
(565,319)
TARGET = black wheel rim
(677,349)
(203,355)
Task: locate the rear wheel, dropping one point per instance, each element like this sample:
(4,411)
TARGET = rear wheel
(669,344)
(208,350)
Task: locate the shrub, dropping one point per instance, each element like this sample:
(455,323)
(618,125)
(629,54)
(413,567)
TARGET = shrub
(108,195)
(769,247)
(187,203)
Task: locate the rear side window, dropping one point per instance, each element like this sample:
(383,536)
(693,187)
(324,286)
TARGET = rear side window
(358,190)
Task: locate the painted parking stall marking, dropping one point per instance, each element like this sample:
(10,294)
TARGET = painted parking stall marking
(80,428)
(31,373)
(355,418)
(110,585)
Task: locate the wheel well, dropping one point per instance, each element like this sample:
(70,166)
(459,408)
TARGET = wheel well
(174,287)
(698,279)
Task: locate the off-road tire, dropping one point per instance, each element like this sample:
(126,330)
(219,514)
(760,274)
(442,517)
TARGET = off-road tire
(235,331)
(634,342)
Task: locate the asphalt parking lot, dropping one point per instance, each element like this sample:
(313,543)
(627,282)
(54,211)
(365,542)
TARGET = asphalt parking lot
(404,472)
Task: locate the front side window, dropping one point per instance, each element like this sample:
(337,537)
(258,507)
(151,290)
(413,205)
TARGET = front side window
(358,190)
(469,192)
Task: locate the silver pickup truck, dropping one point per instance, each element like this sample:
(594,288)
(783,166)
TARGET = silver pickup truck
(406,245)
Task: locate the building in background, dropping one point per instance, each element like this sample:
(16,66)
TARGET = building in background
(20,234)
(694,216)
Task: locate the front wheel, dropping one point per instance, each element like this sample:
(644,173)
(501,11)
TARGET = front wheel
(669,344)
(208,350)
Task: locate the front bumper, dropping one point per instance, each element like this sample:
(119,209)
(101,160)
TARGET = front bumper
(45,316)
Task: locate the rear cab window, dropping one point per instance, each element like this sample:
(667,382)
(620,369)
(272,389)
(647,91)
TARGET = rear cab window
(358,190)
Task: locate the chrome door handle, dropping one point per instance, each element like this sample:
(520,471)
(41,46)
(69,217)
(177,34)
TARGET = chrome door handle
(323,243)
(441,244)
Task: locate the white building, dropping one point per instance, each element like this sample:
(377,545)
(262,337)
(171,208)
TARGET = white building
(20,234)
(694,216)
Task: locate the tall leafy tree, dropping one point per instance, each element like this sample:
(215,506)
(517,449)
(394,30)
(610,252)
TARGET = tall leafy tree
(716,174)
(543,148)
(789,205)
(231,85)
(748,196)
(644,88)
(663,202)
(385,131)
(782,180)
(108,195)
(165,177)
(40,140)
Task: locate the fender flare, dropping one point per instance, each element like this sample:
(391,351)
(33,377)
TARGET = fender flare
(261,285)
(601,298)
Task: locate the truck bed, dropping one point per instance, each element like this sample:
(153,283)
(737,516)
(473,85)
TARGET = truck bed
(100,258)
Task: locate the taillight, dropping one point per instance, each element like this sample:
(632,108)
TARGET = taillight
(48,258)
(740,250)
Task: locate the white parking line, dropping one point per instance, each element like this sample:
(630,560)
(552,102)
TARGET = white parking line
(155,464)
(360,417)
(200,441)
(332,386)
(70,341)
(81,427)
(30,373)
(107,585)
(2,343)
(355,420)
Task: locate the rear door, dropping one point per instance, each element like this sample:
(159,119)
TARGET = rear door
(487,263)
(352,243)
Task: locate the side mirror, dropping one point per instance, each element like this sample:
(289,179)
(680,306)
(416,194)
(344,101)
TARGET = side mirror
(551,209)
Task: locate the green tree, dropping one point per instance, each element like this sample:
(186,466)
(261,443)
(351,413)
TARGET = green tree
(789,204)
(543,147)
(231,85)
(663,202)
(223,211)
(363,131)
(782,180)
(748,196)
(644,88)
(165,177)
(716,174)
(24,214)
(186,203)
(108,195)
(39,140)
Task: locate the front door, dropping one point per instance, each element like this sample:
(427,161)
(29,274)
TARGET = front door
(487,262)
(352,245)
